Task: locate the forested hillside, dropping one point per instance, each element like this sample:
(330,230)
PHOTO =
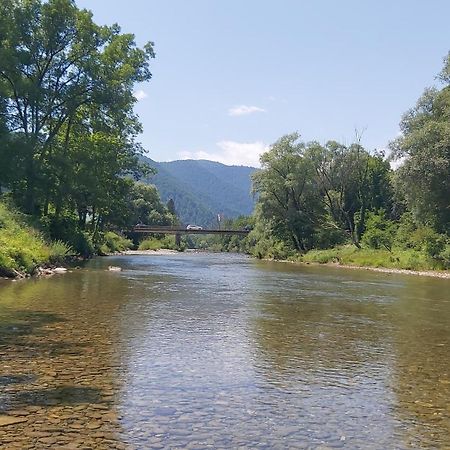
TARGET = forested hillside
(202,189)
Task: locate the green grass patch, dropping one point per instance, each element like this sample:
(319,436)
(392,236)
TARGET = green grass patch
(366,257)
(22,248)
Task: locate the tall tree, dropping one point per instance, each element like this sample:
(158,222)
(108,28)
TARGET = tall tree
(424,176)
(54,62)
(287,189)
(352,182)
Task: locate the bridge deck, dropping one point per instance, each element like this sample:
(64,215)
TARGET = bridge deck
(172,230)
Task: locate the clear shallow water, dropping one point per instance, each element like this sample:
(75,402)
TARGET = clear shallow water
(222,351)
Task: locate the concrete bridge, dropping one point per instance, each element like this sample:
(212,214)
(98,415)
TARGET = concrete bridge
(178,231)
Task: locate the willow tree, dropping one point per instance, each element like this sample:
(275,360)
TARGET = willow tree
(56,63)
(288,193)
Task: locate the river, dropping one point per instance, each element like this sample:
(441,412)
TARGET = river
(202,350)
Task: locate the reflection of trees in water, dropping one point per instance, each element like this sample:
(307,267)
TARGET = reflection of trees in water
(421,372)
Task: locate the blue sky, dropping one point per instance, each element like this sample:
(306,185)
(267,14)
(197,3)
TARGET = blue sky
(232,76)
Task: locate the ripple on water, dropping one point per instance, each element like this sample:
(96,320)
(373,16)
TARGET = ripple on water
(220,351)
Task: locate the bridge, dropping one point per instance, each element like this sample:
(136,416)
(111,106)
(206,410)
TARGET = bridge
(178,231)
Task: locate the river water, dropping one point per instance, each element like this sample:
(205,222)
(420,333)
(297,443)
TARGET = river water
(222,351)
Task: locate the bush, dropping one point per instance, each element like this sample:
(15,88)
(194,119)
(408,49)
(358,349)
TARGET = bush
(428,241)
(445,256)
(60,251)
(330,236)
(380,232)
(65,229)
(112,243)
(406,227)
(167,242)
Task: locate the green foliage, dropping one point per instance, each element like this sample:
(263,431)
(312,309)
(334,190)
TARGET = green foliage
(150,244)
(318,196)
(113,243)
(65,228)
(329,235)
(367,257)
(287,188)
(60,252)
(167,242)
(428,241)
(21,247)
(66,91)
(145,206)
(424,176)
(380,232)
(322,256)
(226,242)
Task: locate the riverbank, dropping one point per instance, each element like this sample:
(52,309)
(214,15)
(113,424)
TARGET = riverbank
(23,249)
(408,262)
(427,273)
(161,251)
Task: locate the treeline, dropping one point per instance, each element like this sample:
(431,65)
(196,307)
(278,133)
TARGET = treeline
(68,149)
(313,196)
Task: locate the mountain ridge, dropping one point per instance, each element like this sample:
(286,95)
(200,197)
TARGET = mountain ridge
(202,189)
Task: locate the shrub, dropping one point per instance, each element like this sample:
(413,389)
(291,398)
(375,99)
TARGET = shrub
(113,242)
(426,239)
(167,242)
(60,251)
(380,232)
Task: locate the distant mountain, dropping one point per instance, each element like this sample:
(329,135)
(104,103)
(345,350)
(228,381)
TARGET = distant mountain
(202,189)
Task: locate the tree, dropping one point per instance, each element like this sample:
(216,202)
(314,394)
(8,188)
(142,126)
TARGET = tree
(145,207)
(352,182)
(287,189)
(424,176)
(54,63)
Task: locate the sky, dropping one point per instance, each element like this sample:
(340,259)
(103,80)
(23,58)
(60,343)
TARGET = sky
(231,77)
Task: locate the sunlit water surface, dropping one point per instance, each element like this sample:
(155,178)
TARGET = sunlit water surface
(222,351)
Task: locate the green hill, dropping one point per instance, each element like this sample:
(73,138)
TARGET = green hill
(202,189)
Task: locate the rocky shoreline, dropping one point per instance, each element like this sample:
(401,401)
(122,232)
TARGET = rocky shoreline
(44,271)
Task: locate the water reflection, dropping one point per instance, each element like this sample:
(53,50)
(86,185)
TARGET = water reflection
(220,351)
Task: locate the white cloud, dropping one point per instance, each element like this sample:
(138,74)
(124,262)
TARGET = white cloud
(243,110)
(231,153)
(140,95)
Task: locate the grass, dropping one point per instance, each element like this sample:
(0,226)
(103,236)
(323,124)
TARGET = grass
(22,248)
(366,257)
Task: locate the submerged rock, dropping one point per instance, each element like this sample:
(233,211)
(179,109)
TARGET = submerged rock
(10,420)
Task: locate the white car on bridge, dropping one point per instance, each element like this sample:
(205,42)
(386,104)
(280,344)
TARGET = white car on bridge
(194,227)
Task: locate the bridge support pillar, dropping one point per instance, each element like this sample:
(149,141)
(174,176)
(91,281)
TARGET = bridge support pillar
(178,239)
